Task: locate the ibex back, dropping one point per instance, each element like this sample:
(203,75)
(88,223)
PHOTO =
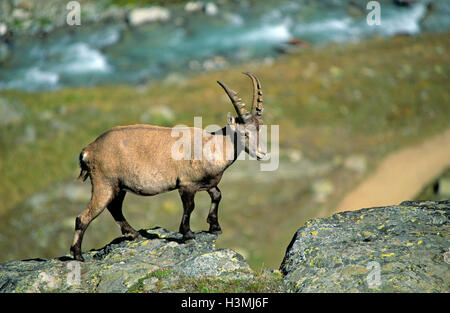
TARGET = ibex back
(138,158)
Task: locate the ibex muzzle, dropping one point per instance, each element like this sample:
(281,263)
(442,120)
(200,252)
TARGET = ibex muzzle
(137,158)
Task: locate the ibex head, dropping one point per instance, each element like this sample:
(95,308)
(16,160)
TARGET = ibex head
(247,125)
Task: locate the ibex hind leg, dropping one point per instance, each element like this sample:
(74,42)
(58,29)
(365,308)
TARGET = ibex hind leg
(115,208)
(213,218)
(102,195)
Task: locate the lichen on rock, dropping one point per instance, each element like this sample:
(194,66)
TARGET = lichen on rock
(125,265)
(401,248)
(397,248)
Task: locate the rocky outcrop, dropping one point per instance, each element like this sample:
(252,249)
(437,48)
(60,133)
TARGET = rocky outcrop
(402,248)
(158,262)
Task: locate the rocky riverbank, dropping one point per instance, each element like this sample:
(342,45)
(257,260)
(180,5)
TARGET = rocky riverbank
(46,45)
(402,248)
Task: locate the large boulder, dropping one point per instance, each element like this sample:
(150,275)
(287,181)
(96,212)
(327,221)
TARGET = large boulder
(402,248)
(158,262)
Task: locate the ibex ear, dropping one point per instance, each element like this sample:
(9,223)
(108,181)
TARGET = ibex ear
(230,119)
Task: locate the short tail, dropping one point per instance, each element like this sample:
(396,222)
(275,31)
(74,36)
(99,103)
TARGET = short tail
(84,173)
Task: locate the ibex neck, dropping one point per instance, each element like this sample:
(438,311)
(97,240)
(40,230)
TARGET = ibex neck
(230,144)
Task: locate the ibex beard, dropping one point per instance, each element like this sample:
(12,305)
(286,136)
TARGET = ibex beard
(148,160)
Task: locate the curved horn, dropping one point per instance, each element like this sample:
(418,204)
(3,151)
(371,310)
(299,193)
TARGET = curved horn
(257,103)
(239,106)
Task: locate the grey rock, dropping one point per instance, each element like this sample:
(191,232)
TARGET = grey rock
(387,249)
(211,8)
(11,112)
(193,6)
(159,261)
(141,16)
(3,29)
(401,248)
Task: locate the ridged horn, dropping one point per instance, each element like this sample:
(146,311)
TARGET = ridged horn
(257,103)
(239,106)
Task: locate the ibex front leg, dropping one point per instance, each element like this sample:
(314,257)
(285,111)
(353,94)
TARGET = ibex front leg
(212,219)
(187,197)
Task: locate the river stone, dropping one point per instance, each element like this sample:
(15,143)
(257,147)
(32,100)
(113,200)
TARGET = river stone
(141,16)
(401,248)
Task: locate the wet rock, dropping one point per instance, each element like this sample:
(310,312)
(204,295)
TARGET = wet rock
(404,3)
(141,16)
(211,8)
(293,45)
(4,52)
(399,248)
(193,6)
(3,29)
(356,9)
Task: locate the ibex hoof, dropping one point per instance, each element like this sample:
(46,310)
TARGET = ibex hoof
(188,235)
(76,254)
(215,229)
(133,235)
(78,257)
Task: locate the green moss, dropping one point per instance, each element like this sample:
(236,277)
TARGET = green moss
(160,274)
(260,284)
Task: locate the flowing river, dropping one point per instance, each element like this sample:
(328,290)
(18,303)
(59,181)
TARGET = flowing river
(192,42)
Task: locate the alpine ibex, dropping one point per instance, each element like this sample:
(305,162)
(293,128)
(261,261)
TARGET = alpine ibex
(138,158)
